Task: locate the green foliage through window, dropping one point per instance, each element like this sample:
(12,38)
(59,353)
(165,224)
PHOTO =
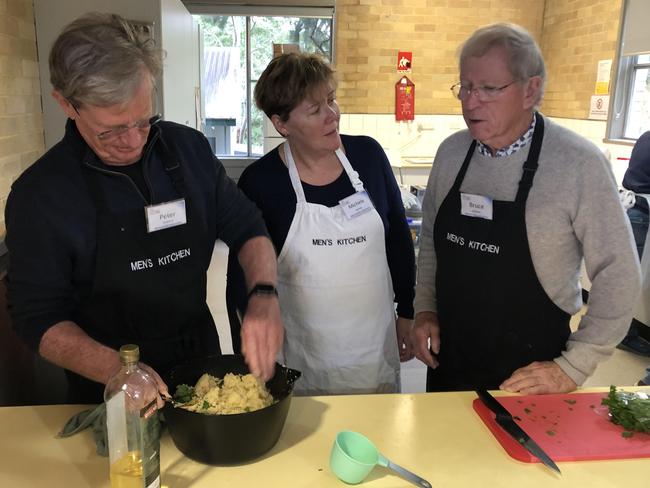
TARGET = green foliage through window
(225,82)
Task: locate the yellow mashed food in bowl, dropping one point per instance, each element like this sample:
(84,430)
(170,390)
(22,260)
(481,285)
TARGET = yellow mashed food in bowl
(235,393)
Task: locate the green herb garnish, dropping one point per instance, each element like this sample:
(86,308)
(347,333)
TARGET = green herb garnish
(205,405)
(628,410)
(184,393)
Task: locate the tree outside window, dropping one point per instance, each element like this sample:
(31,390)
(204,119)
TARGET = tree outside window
(233,125)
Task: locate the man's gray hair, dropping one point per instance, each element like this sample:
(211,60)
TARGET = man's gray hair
(100,59)
(524,56)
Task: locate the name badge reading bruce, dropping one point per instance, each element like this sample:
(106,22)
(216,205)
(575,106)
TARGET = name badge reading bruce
(165,215)
(356,204)
(476,206)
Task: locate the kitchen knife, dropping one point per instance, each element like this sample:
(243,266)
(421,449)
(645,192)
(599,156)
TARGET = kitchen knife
(507,423)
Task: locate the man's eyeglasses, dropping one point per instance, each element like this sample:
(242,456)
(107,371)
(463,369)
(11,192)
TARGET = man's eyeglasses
(484,93)
(111,134)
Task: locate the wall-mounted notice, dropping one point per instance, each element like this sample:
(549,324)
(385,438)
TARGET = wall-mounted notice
(602,77)
(599,106)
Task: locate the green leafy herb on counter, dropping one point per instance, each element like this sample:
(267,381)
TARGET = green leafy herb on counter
(629,410)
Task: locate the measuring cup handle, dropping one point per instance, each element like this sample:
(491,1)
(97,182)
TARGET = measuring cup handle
(405,473)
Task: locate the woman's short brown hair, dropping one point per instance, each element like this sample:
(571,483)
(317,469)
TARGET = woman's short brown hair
(288,80)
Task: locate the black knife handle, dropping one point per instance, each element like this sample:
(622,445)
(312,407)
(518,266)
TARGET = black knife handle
(492,403)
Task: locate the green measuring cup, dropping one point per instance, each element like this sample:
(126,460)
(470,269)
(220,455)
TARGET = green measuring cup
(353,456)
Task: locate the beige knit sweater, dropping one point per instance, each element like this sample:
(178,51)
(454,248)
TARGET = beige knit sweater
(572,212)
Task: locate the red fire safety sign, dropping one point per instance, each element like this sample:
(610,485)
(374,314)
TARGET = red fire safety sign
(404,99)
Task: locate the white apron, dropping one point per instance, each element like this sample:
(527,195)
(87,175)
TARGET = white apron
(336,297)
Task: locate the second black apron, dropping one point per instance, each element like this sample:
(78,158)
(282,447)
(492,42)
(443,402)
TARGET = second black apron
(493,312)
(149,288)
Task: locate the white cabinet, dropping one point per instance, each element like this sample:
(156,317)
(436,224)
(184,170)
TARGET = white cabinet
(174,31)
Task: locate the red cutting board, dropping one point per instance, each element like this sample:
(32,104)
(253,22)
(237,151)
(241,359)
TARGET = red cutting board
(568,427)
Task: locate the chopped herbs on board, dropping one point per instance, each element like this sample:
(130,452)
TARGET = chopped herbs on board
(629,410)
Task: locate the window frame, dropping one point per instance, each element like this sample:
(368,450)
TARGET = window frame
(620,104)
(623,88)
(247,12)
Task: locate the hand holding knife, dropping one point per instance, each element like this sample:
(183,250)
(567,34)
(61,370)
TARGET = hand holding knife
(507,423)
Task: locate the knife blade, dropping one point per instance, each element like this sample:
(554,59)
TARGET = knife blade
(507,423)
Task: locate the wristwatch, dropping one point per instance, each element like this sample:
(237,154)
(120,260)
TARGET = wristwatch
(263,289)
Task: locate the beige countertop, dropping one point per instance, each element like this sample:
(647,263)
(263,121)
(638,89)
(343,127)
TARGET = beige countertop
(436,435)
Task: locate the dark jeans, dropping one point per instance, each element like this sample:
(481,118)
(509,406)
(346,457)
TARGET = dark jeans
(633,341)
(639,220)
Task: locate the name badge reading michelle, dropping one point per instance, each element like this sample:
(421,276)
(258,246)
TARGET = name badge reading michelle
(356,204)
(476,206)
(165,215)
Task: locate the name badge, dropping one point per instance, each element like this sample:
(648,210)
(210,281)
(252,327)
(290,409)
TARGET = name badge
(165,215)
(356,204)
(476,206)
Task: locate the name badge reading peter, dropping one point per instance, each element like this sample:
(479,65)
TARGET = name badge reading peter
(165,215)
(356,204)
(476,206)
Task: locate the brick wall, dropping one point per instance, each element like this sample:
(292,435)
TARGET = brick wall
(576,35)
(573,36)
(371,32)
(21,130)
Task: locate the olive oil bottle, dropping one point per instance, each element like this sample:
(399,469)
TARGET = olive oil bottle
(132,424)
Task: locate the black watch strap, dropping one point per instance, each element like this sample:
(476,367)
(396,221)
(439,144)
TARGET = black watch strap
(264,289)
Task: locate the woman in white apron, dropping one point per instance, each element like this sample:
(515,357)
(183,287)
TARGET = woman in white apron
(345,250)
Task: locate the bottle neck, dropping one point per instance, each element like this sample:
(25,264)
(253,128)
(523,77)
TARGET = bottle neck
(130,366)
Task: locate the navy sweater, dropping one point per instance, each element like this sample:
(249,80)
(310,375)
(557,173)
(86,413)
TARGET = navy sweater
(266,182)
(637,176)
(51,217)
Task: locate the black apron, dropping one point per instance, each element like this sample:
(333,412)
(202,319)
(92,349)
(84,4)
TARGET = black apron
(148,289)
(494,314)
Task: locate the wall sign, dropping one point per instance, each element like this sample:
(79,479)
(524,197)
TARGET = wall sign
(404,61)
(599,107)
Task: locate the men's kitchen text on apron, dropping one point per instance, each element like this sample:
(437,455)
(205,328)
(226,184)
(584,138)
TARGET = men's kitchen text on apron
(345,241)
(172,257)
(478,246)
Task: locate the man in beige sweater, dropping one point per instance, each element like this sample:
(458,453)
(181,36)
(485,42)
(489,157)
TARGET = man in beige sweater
(513,205)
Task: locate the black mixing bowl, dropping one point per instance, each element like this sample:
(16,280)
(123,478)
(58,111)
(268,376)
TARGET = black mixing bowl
(227,439)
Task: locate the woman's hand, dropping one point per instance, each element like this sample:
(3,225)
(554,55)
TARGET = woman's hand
(403,338)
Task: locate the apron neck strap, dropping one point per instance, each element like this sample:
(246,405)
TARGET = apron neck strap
(295,177)
(531,164)
(293,174)
(463,169)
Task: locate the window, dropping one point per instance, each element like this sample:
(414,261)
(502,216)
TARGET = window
(637,119)
(630,108)
(235,50)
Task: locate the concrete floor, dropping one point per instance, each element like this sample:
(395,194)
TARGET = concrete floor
(622,369)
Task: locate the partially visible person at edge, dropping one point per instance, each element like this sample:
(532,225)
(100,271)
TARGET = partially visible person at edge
(92,264)
(513,205)
(335,215)
(637,179)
